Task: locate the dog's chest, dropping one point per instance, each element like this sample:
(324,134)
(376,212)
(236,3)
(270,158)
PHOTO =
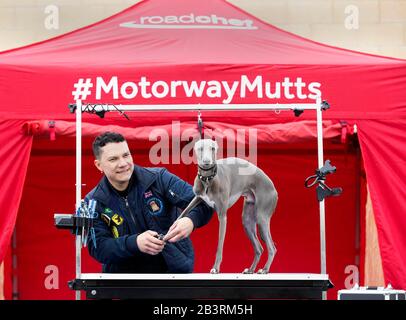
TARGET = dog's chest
(211,203)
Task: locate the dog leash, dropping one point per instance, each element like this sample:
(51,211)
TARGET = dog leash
(200,125)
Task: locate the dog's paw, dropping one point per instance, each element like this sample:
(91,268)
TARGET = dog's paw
(248,271)
(214,271)
(262,271)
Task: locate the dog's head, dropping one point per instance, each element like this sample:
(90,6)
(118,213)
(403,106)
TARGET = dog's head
(206,150)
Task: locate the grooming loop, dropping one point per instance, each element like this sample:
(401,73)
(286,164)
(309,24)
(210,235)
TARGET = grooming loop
(322,189)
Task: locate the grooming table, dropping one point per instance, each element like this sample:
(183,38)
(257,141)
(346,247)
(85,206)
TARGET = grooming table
(202,286)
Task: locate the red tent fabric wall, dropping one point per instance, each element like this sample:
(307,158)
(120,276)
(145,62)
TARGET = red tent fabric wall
(387,175)
(295,226)
(191,52)
(15,153)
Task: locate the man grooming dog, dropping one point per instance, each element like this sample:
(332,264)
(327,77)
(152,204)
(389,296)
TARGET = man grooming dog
(220,183)
(136,204)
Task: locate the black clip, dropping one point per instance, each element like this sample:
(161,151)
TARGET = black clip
(322,189)
(72,107)
(297,112)
(325,105)
(100,112)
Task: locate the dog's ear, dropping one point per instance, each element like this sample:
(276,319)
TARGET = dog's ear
(196,145)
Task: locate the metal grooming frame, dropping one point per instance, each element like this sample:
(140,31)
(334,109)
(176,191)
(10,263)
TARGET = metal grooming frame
(318,106)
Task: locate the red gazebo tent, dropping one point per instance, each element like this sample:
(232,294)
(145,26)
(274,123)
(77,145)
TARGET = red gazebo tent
(191,52)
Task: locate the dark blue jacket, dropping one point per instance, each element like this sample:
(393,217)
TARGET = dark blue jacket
(154,201)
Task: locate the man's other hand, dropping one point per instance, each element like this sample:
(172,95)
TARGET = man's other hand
(149,243)
(179,230)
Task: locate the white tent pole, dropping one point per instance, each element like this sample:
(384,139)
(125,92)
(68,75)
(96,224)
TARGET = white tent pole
(78,186)
(320,157)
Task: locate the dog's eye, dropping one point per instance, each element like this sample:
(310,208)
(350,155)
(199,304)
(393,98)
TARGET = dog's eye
(213,148)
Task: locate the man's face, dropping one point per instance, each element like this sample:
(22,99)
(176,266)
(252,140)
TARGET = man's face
(116,163)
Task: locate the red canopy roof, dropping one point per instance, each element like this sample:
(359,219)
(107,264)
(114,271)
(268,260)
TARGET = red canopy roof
(170,44)
(181,32)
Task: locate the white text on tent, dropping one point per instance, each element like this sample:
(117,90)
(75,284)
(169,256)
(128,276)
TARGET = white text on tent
(190,21)
(213,89)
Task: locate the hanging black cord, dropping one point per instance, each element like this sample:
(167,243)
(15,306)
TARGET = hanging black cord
(121,112)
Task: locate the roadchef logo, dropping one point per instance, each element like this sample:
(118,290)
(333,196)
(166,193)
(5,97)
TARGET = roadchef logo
(190,21)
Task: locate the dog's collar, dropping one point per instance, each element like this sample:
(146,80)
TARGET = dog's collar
(205,177)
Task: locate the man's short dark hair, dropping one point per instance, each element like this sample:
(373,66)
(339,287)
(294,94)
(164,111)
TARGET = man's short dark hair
(103,139)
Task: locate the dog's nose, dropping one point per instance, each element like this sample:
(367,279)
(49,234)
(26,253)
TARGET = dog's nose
(206,161)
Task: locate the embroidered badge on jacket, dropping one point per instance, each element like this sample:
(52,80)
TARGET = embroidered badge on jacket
(148,194)
(154,206)
(117,219)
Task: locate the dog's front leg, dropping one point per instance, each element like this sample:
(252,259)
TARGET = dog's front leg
(195,201)
(222,215)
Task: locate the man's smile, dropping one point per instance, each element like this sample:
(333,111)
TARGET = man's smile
(123,171)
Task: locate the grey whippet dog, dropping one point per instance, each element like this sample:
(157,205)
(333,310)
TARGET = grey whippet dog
(220,183)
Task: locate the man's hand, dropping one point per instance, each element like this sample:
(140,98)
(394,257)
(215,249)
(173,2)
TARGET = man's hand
(180,229)
(149,243)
